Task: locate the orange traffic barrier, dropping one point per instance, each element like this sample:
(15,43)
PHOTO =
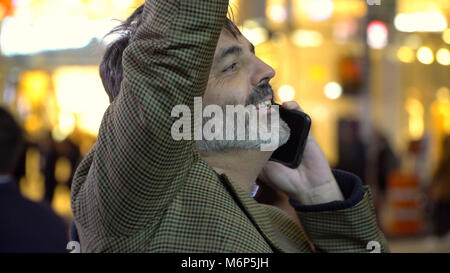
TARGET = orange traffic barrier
(403,197)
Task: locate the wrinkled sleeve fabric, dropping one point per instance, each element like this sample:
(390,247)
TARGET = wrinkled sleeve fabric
(136,167)
(343,226)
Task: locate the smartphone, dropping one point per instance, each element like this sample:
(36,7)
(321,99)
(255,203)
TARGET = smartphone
(290,154)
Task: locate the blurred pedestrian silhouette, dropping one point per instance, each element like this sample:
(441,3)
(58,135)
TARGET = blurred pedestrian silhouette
(25,226)
(47,147)
(440,192)
(386,161)
(352,151)
(51,151)
(69,150)
(20,169)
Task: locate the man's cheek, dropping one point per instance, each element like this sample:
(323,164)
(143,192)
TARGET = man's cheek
(240,94)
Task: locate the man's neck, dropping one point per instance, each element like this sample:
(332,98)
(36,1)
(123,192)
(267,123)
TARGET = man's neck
(241,166)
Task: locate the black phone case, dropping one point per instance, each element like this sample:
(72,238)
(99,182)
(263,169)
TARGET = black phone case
(290,154)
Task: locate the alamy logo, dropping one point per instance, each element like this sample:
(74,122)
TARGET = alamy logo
(374,2)
(74,246)
(374,246)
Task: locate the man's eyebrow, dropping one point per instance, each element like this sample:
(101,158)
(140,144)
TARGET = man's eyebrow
(232,50)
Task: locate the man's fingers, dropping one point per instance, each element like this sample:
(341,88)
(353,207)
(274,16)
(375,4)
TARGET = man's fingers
(263,174)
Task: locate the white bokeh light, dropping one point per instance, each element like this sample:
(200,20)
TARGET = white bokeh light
(333,90)
(286,93)
(319,10)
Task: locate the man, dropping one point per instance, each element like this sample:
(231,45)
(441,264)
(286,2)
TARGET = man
(139,190)
(25,226)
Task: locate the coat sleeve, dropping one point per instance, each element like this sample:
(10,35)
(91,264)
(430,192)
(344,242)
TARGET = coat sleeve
(136,166)
(343,226)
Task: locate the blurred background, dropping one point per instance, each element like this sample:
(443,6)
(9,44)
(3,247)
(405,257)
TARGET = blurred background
(373,75)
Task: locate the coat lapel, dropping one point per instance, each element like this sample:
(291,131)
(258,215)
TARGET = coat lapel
(254,211)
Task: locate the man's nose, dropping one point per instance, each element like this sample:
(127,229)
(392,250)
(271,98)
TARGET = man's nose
(262,72)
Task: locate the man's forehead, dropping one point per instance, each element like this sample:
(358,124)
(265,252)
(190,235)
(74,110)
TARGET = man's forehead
(226,39)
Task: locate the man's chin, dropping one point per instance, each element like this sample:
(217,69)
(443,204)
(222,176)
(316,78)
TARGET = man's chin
(270,141)
(227,145)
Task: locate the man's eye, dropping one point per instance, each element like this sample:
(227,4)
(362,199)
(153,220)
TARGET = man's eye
(230,68)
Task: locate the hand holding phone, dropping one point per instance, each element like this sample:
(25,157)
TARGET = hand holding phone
(290,154)
(313,183)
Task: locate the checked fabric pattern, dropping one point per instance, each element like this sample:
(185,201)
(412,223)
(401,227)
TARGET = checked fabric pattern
(138,190)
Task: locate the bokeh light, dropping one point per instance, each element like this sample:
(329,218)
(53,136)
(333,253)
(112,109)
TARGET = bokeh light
(307,38)
(254,32)
(377,35)
(421,22)
(79,90)
(319,10)
(333,90)
(277,13)
(406,54)
(446,36)
(425,55)
(286,93)
(443,56)
(416,120)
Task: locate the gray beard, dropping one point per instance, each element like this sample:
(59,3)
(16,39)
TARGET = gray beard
(247,144)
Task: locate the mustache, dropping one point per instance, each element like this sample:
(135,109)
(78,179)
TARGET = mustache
(259,93)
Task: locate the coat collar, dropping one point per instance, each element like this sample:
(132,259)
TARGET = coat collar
(254,211)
